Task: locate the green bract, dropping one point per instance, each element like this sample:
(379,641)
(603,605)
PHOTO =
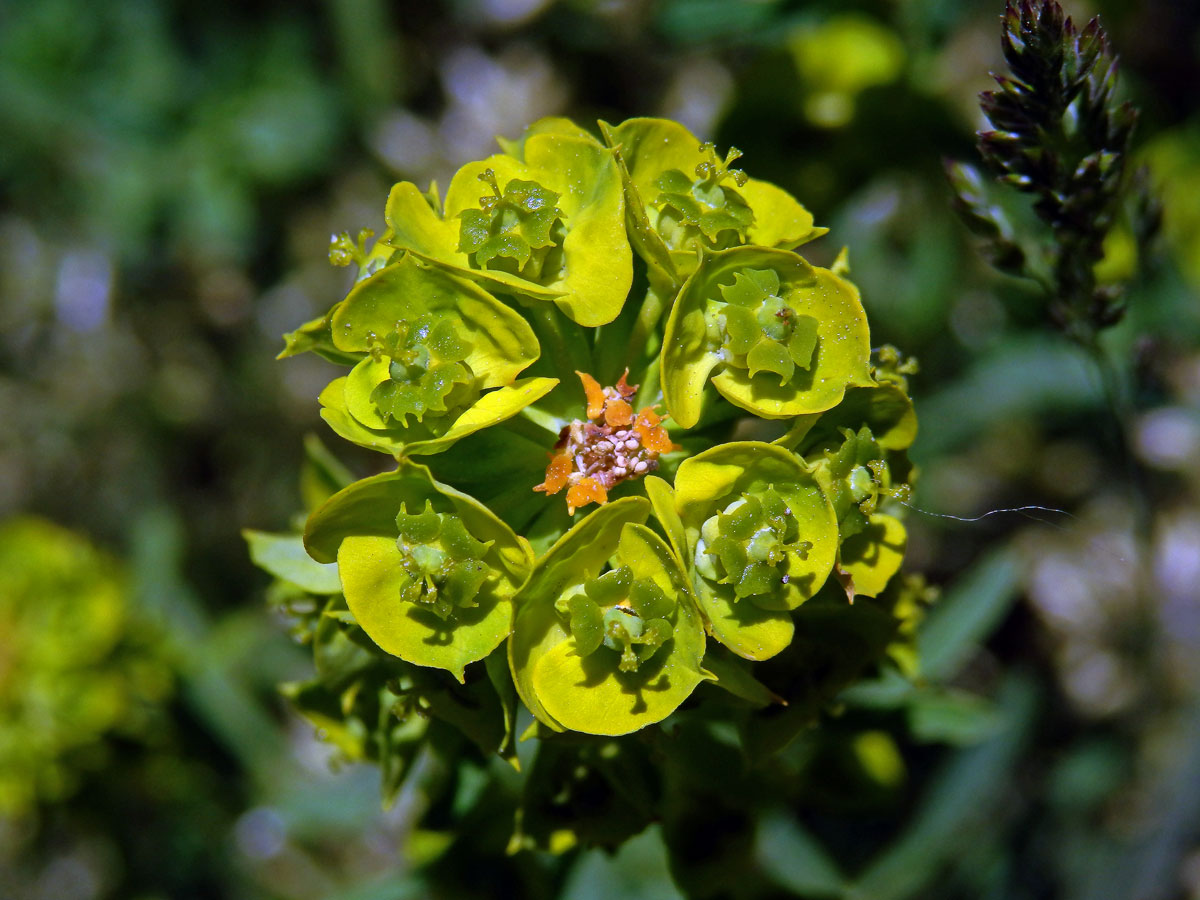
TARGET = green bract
(761,539)
(427,345)
(858,478)
(611,652)
(784,337)
(428,572)
(547,223)
(687,200)
(588,497)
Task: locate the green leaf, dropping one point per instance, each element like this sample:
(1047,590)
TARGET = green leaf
(415,226)
(662,501)
(958,807)
(493,407)
(546,125)
(748,630)
(490,409)
(697,342)
(315,337)
(793,857)
(284,556)
(967,614)
(779,220)
(501,679)
(322,475)
(639,870)
(645,240)
(884,408)
(732,675)
(952,717)
(345,426)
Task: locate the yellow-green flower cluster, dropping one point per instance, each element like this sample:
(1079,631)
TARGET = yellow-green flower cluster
(623,318)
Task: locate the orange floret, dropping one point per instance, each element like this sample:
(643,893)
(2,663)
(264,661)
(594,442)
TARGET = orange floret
(583,492)
(654,436)
(556,474)
(623,387)
(595,395)
(618,413)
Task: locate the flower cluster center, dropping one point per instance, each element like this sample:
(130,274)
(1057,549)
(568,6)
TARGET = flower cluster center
(747,544)
(756,330)
(443,562)
(427,370)
(513,230)
(615,611)
(612,445)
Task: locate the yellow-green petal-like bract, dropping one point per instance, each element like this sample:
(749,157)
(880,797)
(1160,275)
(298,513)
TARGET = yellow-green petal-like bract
(653,148)
(779,299)
(607,653)
(589,271)
(358,527)
(762,538)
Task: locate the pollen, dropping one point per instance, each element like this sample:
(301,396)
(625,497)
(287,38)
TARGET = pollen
(612,445)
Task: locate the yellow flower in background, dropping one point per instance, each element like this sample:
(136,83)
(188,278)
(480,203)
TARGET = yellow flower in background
(1174,161)
(838,59)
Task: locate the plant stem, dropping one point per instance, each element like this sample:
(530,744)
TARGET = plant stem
(564,340)
(645,326)
(1118,398)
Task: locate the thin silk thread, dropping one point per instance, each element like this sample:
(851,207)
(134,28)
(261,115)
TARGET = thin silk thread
(1019,510)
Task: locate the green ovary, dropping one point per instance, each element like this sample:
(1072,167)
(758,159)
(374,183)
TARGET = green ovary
(756,330)
(444,563)
(613,611)
(706,212)
(518,231)
(747,545)
(427,370)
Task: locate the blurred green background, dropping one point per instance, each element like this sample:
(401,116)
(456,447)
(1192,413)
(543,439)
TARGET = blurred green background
(170,173)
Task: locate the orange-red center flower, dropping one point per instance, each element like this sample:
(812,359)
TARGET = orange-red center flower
(613,445)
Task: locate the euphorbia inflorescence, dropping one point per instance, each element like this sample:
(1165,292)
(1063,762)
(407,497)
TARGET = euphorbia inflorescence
(614,611)
(444,563)
(757,331)
(513,230)
(426,369)
(746,544)
(735,457)
(705,212)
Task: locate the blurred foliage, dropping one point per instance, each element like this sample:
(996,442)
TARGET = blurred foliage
(77,663)
(169,178)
